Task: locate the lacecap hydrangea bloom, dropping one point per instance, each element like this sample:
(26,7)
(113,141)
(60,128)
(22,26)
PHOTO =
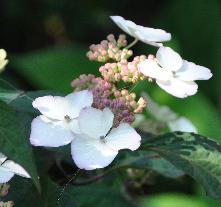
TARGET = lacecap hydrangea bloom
(70,119)
(9,168)
(97,118)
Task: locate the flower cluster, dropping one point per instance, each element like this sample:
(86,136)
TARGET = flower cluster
(110,49)
(6,204)
(96,117)
(3,60)
(121,102)
(95,142)
(123,70)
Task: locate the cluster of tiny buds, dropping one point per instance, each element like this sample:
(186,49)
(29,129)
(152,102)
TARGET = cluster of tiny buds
(4,189)
(122,103)
(123,70)
(110,49)
(3,192)
(6,204)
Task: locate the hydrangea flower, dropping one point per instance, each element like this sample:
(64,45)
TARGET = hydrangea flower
(145,34)
(173,74)
(9,168)
(3,60)
(59,118)
(171,119)
(98,143)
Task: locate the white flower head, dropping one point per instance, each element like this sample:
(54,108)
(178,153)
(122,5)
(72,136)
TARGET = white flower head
(98,143)
(9,168)
(3,60)
(59,118)
(173,74)
(165,115)
(145,34)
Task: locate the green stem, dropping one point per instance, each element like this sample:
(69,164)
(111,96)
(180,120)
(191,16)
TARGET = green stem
(131,44)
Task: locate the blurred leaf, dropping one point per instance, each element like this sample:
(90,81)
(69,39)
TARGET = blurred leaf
(13,142)
(196,155)
(175,200)
(54,68)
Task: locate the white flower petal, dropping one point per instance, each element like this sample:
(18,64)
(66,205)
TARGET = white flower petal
(74,126)
(3,54)
(182,124)
(5,175)
(169,59)
(50,134)
(123,137)
(178,88)
(91,154)
(78,101)
(94,122)
(15,168)
(127,26)
(151,69)
(190,72)
(146,35)
(54,107)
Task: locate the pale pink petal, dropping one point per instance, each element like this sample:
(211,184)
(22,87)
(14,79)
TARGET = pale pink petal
(90,154)
(123,137)
(94,122)
(50,134)
(169,59)
(151,69)
(190,72)
(15,168)
(78,101)
(178,88)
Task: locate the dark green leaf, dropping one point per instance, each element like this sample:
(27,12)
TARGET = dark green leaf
(148,161)
(196,155)
(14,143)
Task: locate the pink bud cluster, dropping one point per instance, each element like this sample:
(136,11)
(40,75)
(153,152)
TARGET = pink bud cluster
(3,192)
(123,70)
(6,204)
(110,49)
(122,103)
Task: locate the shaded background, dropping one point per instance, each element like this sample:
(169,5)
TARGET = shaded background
(47,41)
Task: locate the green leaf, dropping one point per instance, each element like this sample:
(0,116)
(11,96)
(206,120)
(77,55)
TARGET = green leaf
(148,161)
(194,154)
(106,193)
(13,142)
(54,68)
